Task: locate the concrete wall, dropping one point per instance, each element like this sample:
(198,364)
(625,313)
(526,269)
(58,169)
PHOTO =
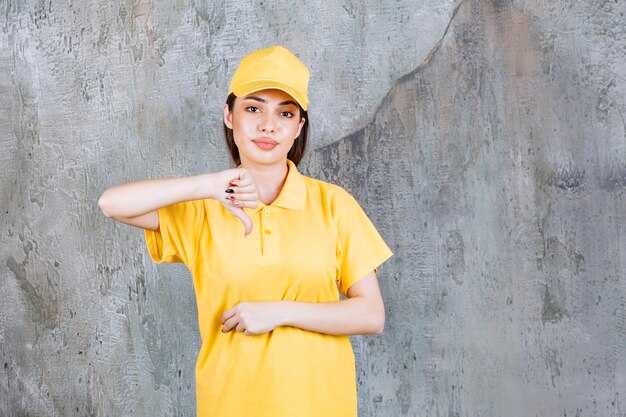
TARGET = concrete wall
(485,139)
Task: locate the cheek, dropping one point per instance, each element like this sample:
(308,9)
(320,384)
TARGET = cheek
(291,126)
(242,126)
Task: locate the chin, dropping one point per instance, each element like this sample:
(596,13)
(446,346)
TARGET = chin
(264,159)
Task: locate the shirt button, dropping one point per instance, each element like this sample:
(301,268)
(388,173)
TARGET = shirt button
(267,232)
(267,212)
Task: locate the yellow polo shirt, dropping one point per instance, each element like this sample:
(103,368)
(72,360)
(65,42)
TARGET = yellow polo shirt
(313,241)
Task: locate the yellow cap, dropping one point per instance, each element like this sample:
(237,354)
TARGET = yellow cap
(271,67)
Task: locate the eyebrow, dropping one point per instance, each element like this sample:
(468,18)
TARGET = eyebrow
(282,103)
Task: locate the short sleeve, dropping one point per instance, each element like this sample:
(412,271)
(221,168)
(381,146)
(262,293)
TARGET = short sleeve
(179,226)
(362,249)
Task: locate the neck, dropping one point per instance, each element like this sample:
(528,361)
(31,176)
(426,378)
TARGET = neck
(269,179)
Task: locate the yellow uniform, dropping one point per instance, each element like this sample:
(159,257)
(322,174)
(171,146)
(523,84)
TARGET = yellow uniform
(313,241)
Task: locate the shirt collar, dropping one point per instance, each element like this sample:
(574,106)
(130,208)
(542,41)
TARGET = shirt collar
(293,194)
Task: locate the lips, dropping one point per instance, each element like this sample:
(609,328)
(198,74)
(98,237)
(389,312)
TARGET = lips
(265,143)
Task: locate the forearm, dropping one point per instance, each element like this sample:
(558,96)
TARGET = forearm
(346,317)
(141,197)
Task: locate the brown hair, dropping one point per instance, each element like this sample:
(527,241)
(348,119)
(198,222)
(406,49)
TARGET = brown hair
(297,149)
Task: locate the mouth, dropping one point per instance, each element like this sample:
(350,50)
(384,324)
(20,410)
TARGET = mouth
(265,143)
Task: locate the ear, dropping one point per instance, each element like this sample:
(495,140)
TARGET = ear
(228,117)
(302,120)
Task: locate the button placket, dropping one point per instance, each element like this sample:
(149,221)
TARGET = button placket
(270,241)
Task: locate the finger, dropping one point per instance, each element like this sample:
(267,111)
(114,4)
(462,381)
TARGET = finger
(237,180)
(244,174)
(245,197)
(227,326)
(237,201)
(242,188)
(243,203)
(245,219)
(227,314)
(231,323)
(245,177)
(249,191)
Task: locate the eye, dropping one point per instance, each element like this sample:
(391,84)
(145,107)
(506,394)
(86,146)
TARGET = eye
(289,113)
(252,107)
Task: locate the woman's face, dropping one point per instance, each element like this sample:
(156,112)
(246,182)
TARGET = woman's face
(265,124)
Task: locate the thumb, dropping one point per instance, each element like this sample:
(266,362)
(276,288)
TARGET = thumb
(245,219)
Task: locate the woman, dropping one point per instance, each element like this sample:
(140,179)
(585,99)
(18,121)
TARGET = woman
(274,331)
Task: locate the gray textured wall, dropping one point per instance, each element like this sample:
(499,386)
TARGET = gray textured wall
(486,140)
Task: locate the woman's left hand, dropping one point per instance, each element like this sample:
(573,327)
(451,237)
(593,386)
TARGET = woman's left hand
(252,317)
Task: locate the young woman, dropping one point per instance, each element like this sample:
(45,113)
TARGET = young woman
(269,250)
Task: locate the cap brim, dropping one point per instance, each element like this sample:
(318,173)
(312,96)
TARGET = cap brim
(258,85)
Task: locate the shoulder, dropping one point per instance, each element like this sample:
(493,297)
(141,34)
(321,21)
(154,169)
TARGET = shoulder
(212,207)
(331,195)
(192,210)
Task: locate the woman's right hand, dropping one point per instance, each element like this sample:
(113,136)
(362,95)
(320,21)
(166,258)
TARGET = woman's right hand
(244,193)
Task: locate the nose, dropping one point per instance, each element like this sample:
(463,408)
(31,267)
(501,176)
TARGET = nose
(266,123)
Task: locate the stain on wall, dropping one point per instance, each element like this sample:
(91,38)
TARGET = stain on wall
(485,139)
